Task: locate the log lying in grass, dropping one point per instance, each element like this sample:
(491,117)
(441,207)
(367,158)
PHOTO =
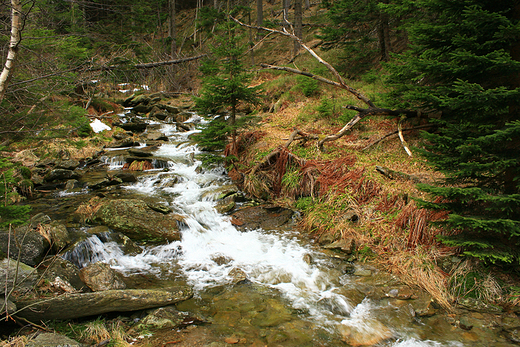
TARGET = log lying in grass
(69,306)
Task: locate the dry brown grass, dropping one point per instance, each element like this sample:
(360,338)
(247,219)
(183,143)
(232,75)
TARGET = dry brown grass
(17,341)
(417,269)
(87,210)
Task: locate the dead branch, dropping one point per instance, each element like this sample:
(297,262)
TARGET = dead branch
(365,112)
(168,62)
(303,136)
(362,112)
(336,74)
(401,137)
(300,72)
(395,133)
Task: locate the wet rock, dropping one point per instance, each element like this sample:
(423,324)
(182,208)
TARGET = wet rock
(237,275)
(401,293)
(265,216)
(25,242)
(308,259)
(125,243)
(11,271)
(142,153)
(170,109)
(225,205)
(424,310)
(346,245)
(129,142)
(59,235)
(133,127)
(57,267)
(479,306)
(126,177)
(103,183)
(141,108)
(221,260)
(6,306)
(40,218)
(362,272)
(163,317)
(368,334)
(155,136)
(121,136)
(78,305)
(160,208)
(61,175)
(137,220)
(134,100)
(158,113)
(72,184)
(69,164)
(52,339)
(100,276)
(327,238)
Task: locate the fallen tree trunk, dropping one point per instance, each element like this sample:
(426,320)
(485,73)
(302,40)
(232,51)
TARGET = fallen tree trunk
(69,306)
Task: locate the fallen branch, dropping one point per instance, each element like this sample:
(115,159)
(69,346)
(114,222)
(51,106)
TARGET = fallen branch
(340,83)
(336,74)
(168,62)
(303,136)
(395,133)
(365,112)
(401,137)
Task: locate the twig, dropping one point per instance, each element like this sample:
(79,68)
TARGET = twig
(401,137)
(336,74)
(395,133)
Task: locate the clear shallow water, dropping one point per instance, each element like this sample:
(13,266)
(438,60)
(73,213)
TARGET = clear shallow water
(287,300)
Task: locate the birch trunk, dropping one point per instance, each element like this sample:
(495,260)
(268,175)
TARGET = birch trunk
(16,27)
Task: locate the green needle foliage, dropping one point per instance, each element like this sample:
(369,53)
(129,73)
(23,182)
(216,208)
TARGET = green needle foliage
(225,87)
(10,180)
(465,62)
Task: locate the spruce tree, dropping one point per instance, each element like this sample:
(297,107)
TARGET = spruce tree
(225,86)
(464,61)
(361,28)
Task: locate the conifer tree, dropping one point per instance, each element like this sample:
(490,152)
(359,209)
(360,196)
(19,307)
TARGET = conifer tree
(361,28)
(225,86)
(464,61)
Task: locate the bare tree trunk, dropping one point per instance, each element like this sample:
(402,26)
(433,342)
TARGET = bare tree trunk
(215,4)
(259,13)
(16,27)
(285,11)
(298,31)
(172,32)
(307,4)
(383,33)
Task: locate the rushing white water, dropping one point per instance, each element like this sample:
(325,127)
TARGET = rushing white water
(273,259)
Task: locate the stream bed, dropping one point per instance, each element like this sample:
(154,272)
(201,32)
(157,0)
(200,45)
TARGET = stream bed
(259,287)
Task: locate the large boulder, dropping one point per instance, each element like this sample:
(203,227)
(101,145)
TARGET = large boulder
(61,175)
(100,276)
(266,217)
(26,242)
(136,219)
(59,235)
(70,306)
(52,339)
(57,270)
(17,275)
